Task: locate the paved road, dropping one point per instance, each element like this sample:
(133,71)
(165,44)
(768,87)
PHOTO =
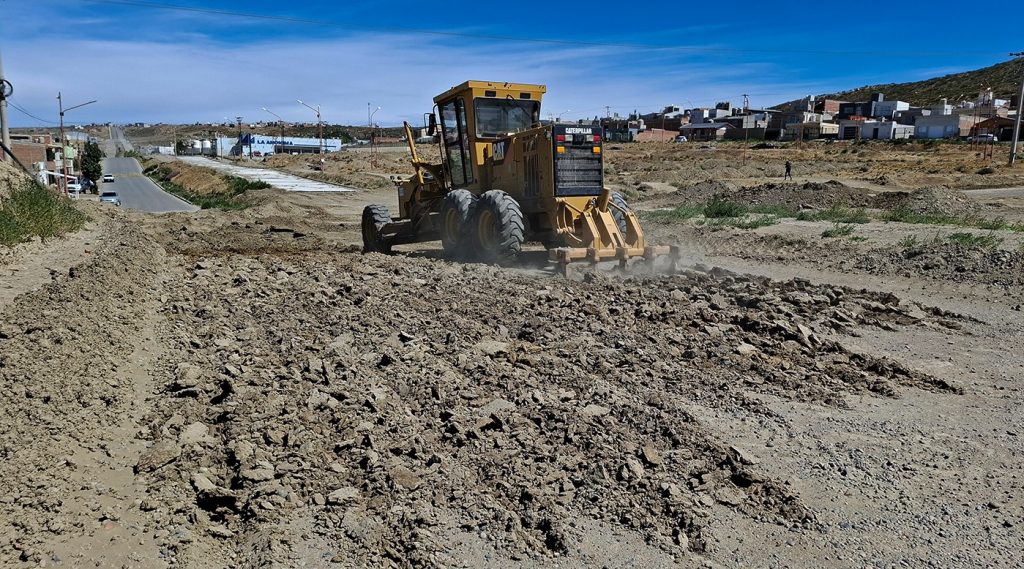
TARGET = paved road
(273,177)
(116,141)
(996,193)
(137,191)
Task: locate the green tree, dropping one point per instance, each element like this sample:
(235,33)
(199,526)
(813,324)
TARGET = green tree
(92,161)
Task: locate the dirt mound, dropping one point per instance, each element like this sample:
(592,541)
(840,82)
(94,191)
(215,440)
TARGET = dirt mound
(195,179)
(702,192)
(9,177)
(256,236)
(816,195)
(808,194)
(949,261)
(391,425)
(59,391)
(931,201)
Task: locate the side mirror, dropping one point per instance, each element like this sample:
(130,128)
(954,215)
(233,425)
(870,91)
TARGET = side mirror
(432,125)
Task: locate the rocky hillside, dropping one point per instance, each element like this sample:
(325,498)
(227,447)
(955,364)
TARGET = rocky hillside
(1004,78)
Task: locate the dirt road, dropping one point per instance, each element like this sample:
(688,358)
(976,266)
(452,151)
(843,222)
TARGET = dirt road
(246,389)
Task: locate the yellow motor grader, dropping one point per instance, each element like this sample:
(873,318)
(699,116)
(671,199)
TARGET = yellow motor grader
(505,179)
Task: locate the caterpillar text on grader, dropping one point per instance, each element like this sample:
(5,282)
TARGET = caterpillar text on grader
(505,179)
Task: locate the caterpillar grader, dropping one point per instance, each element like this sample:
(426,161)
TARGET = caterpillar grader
(505,179)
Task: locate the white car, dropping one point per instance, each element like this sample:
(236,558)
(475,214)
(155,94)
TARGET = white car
(74,188)
(108,178)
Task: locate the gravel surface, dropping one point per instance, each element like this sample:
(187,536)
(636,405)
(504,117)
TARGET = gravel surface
(245,389)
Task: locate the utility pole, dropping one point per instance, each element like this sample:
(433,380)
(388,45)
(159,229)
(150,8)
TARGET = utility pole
(280,121)
(63,142)
(1020,111)
(320,123)
(239,120)
(373,140)
(6,90)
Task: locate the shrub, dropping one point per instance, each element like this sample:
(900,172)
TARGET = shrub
(838,230)
(972,240)
(718,208)
(35,211)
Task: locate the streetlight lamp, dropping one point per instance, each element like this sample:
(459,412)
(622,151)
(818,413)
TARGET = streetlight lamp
(321,125)
(280,121)
(63,142)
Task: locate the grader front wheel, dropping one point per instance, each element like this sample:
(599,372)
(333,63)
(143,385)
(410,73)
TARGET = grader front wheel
(499,227)
(455,213)
(375,217)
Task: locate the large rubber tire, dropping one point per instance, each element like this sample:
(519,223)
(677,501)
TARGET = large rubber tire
(456,211)
(499,228)
(620,218)
(375,217)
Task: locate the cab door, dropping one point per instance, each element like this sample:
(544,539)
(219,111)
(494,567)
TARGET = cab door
(456,142)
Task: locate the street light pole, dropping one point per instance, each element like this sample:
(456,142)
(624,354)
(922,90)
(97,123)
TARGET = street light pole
(239,119)
(280,121)
(1020,111)
(318,123)
(373,140)
(63,142)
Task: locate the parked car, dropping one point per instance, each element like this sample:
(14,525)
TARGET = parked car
(108,178)
(680,138)
(110,197)
(74,188)
(983,138)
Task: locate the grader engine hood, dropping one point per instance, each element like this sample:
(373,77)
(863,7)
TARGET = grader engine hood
(578,160)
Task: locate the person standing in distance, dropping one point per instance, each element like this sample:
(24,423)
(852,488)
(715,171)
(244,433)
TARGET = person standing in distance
(789,171)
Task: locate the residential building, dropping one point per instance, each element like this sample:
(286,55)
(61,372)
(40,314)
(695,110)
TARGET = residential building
(810,130)
(877,107)
(953,125)
(873,129)
(1002,127)
(704,131)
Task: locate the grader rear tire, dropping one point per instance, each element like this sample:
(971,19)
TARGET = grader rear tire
(499,228)
(375,217)
(455,213)
(618,216)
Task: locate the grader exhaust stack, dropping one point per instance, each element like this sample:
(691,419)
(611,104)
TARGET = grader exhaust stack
(505,179)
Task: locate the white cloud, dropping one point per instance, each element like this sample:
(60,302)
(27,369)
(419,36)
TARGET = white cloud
(202,79)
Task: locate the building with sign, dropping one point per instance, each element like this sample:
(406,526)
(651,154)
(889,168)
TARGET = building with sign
(263,145)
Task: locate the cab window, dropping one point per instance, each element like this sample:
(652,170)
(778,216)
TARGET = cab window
(456,141)
(499,117)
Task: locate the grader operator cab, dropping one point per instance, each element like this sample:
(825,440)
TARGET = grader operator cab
(505,179)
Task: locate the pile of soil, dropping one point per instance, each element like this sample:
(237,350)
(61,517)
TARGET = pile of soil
(933,201)
(702,192)
(60,391)
(10,176)
(815,195)
(947,261)
(374,422)
(195,179)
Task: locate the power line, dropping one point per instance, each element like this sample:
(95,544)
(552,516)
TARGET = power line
(636,46)
(28,114)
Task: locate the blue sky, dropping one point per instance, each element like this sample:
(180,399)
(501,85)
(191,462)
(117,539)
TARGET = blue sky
(151,64)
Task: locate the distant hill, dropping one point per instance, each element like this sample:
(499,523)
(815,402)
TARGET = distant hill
(1004,79)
